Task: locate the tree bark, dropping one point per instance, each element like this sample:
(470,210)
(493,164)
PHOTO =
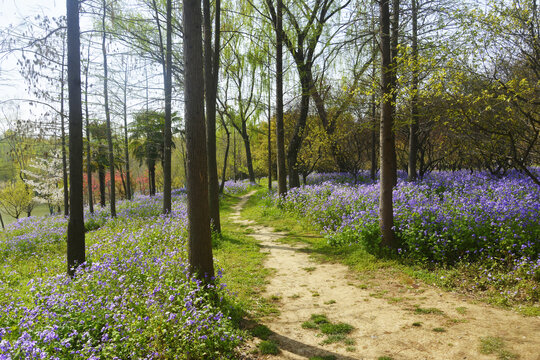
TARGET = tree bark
(63,134)
(280,129)
(88,148)
(413,128)
(223,175)
(112,195)
(199,239)
(211,72)
(386,214)
(394,39)
(269,135)
(126,147)
(101,178)
(75,234)
(151,177)
(167,201)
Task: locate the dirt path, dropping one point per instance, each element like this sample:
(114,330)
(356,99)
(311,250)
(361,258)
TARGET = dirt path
(392,314)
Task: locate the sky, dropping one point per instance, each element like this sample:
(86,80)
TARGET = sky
(14,12)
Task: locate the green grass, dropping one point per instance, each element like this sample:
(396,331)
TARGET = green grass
(268,347)
(319,319)
(261,331)
(334,338)
(419,310)
(335,329)
(461,310)
(494,345)
(326,357)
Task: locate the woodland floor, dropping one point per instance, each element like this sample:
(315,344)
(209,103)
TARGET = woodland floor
(394,316)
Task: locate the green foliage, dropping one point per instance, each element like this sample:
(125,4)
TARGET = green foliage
(16,198)
(495,345)
(268,347)
(261,331)
(335,329)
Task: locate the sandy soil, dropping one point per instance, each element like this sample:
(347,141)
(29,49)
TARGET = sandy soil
(382,310)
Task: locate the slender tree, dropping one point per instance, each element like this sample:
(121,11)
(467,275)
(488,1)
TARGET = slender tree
(126,140)
(75,233)
(413,127)
(269,134)
(167,135)
(199,240)
(386,214)
(63,133)
(211,72)
(88,146)
(394,53)
(280,129)
(112,195)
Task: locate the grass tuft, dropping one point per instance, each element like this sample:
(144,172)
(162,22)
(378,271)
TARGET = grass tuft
(268,347)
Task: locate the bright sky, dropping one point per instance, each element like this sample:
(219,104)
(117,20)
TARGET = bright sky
(14,12)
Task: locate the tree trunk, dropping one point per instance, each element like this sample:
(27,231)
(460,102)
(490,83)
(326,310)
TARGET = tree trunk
(112,195)
(151,177)
(269,145)
(386,215)
(126,148)
(296,141)
(211,69)
(167,201)
(373,171)
(101,175)
(88,150)
(413,128)
(199,240)
(249,158)
(280,129)
(63,134)
(75,233)
(394,39)
(223,177)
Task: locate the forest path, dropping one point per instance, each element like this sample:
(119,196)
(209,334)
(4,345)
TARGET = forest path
(394,316)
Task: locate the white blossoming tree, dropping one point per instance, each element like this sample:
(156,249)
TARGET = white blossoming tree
(46,180)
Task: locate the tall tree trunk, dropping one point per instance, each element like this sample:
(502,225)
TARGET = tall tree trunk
(373,171)
(235,168)
(199,240)
(167,201)
(249,158)
(280,129)
(88,148)
(75,234)
(126,148)
(296,140)
(211,72)
(269,145)
(2,221)
(223,175)
(151,177)
(63,134)
(413,128)
(394,50)
(386,215)
(112,195)
(101,178)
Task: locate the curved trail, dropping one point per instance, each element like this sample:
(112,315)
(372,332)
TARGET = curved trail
(392,314)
